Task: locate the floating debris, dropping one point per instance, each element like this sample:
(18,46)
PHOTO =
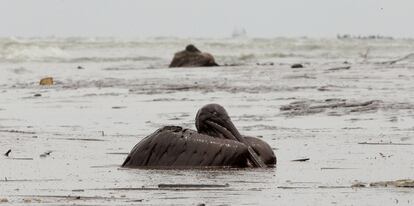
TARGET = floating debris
(191,185)
(69,197)
(340,106)
(337,168)
(7,153)
(81,139)
(333,187)
(31,200)
(138,200)
(301,160)
(46,154)
(397,183)
(408,183)
(358,184)
(285,187)
(29,180)
(265,64)
(21,158)
(46,81)
(118,107)
(296,66)
(118,153)
(339,68)
(16,131)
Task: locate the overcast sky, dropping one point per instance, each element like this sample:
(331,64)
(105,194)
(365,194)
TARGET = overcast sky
(206,18)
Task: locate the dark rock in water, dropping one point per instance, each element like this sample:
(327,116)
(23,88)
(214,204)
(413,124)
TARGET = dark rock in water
(192,57)
(295,66)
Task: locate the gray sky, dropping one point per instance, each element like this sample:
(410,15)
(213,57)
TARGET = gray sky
(206,18)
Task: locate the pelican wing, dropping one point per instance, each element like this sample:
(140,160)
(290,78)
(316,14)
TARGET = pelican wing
(176,147)
(263,149)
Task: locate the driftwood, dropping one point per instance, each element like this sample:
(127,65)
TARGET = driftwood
(399,59)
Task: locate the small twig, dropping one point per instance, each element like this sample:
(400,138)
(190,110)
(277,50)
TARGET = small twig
(16,131)
(80,139)
(21,158)
(332,187)
(191,185)
(29,180)
(339,68)
(7,153)
(337,168)
(301,160)
(45,154)
(286,187)
(365,55)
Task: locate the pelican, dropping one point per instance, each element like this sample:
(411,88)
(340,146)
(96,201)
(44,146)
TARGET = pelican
(216,142)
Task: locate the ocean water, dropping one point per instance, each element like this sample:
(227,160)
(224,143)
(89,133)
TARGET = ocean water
(350,110)
(158,51)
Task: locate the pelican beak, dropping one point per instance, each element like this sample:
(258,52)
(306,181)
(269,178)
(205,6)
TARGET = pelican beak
(226,128)
(230,132)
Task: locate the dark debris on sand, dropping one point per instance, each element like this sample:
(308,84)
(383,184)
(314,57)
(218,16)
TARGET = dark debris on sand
(335,106)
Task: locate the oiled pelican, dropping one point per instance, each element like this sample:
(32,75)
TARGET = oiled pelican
(192,57)
(217,143)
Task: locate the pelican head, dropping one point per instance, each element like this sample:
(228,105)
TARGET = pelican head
(191,48)
(213,120)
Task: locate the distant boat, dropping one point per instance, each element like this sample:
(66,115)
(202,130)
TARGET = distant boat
(239,33)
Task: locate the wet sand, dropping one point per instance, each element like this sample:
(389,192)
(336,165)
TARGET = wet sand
(354,125)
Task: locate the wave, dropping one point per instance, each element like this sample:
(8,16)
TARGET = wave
(108,49)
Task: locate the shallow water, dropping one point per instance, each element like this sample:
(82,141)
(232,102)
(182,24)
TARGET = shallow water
(68,143)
